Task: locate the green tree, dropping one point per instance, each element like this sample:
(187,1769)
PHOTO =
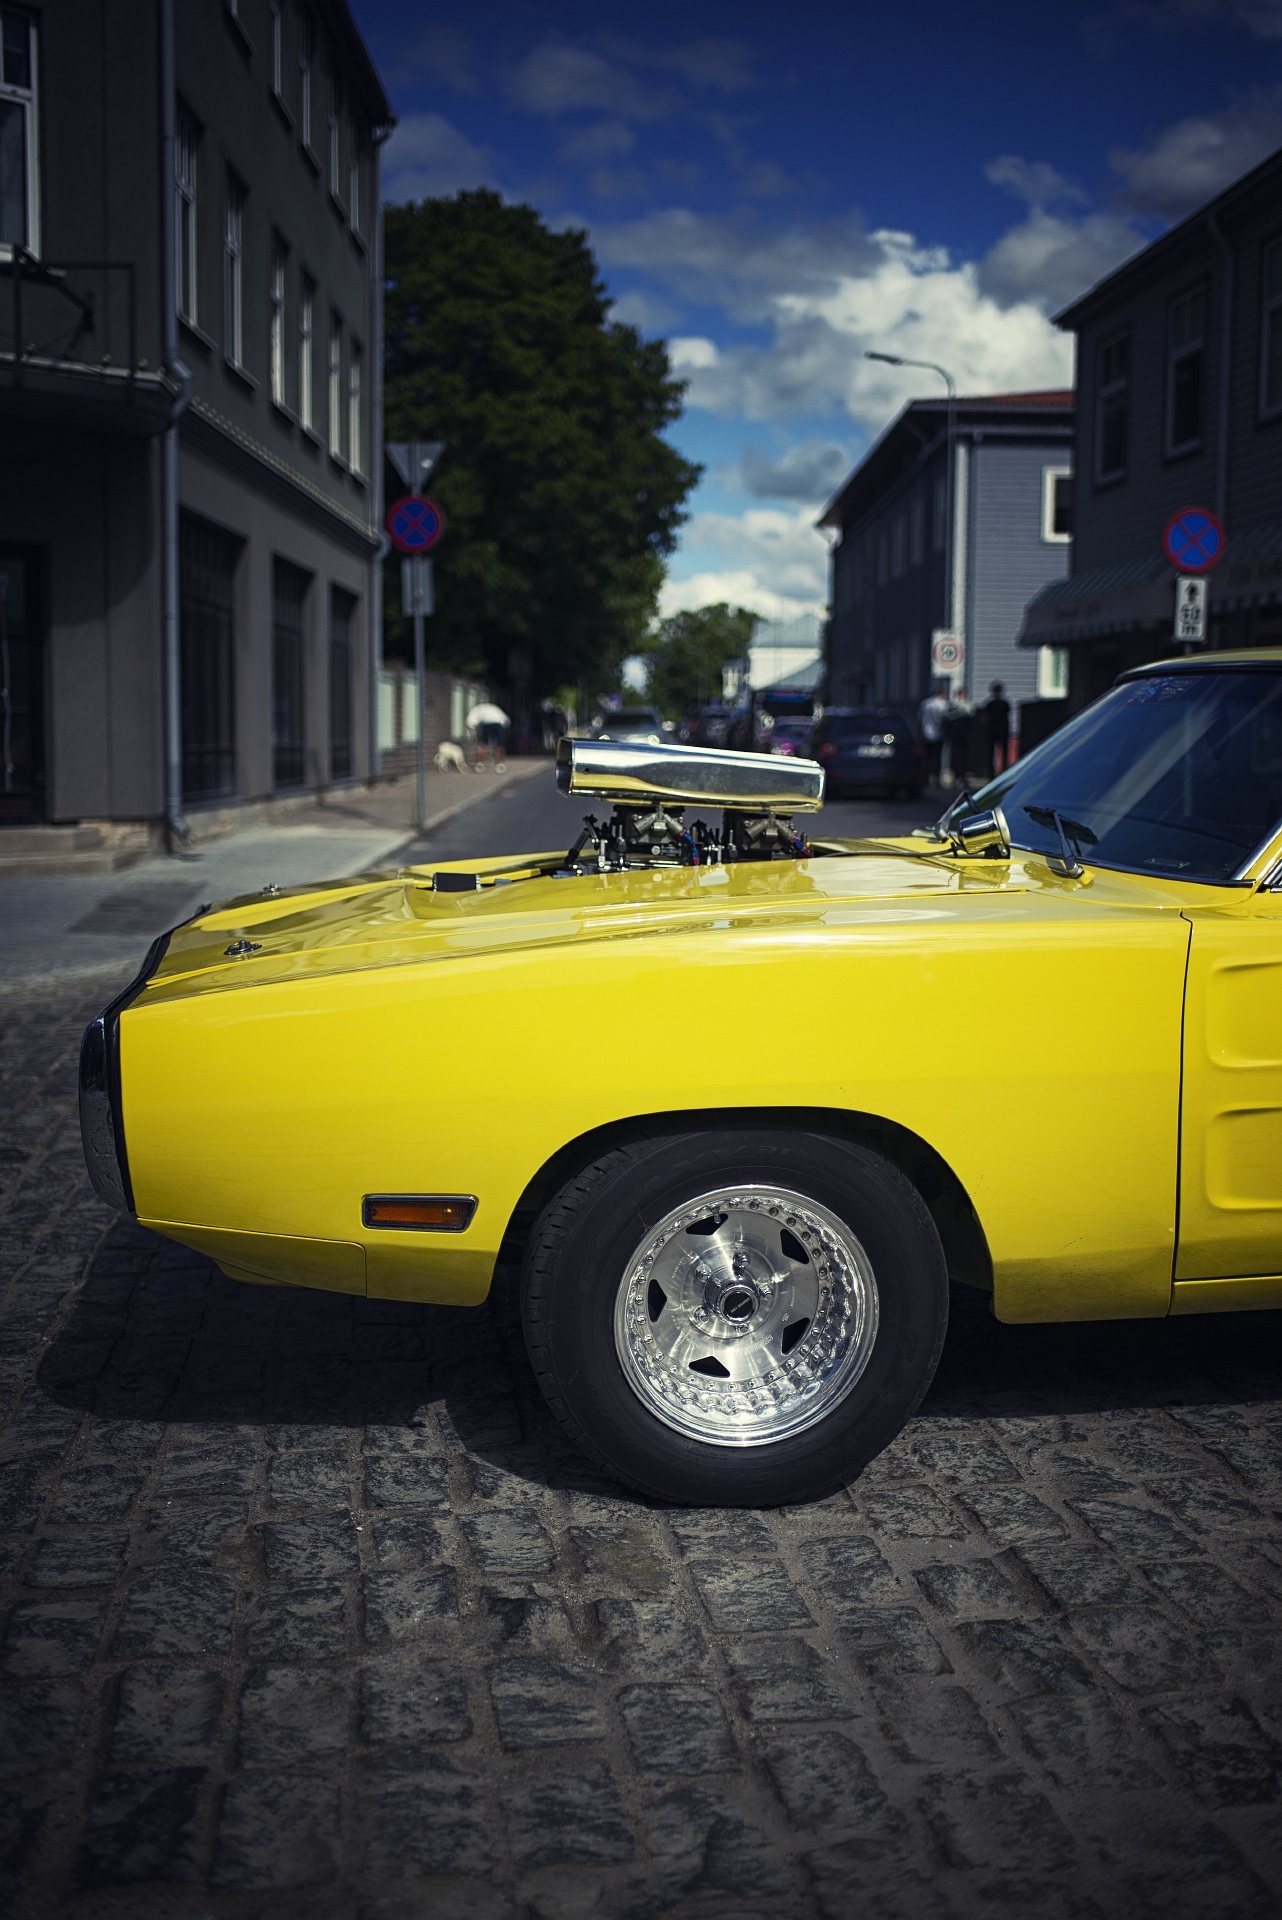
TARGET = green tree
(689,651)
(561,496)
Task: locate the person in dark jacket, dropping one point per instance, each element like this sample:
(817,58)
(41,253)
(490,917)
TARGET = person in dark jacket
(996,712)
(958,721)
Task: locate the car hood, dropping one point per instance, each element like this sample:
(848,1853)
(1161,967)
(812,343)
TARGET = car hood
(399,918)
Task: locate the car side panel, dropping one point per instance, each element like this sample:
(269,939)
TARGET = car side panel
(1037,1049)
(1231,1154)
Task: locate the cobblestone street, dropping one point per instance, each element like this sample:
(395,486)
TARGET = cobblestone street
(309,1611)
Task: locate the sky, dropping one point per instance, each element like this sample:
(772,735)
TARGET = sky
(774,190)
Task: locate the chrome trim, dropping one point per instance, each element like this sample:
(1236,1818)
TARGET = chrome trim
(1273,872)
(102,1131)
(633,772)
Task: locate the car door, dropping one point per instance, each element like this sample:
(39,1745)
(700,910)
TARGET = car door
(1231,1121)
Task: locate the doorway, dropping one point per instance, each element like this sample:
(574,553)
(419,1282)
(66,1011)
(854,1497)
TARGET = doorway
(22,767)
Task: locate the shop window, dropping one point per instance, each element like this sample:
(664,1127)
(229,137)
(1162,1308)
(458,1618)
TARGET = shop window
(342,607)
(208,560)
(289,593)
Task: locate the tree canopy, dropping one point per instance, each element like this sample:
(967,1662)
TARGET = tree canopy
(561,495)
(687,654)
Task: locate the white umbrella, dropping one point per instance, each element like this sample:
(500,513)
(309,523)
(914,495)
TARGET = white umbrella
(486,714)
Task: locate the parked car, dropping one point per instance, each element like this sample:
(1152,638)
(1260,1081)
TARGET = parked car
(791,735)
(632,723)
(735,1273)
(869,749)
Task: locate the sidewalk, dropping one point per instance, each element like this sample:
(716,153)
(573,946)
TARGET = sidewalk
(61,926)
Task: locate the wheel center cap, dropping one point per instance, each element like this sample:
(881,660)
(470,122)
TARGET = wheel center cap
(738,1302)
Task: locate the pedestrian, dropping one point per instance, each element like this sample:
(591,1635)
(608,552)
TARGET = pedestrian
(957,728)
(490,723)
(996,712)
(930,718)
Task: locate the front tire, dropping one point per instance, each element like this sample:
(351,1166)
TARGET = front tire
(739,1317)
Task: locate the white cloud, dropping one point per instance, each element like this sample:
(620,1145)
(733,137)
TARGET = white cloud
(1190,162)
(773,562)
(604,140)
(1051,258)
(556,78)
(426,156)
(693,351)
(810,471)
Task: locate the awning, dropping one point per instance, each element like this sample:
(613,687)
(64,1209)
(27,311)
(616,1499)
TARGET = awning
(1136,593)
(1140,593)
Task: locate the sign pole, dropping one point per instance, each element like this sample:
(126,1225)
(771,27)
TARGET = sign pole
(420,674)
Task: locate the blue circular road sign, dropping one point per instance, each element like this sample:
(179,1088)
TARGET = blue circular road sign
(415,524)
(1194,540)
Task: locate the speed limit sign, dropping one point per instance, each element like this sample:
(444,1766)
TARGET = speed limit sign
(947,651)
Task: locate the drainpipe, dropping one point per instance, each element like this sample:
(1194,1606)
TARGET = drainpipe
(376,459)
(177,832)
(1226,375)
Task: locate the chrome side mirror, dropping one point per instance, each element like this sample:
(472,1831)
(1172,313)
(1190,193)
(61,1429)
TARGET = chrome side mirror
(982,835)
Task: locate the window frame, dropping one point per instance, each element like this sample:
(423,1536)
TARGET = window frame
(1106,390)
(277,293)
(1176,356)
(1052,673)
(28,99)
(307,352)
(306,70)
(355,402)
(277,47)
(334,133)
(1270,309)
(187,132)
(336,411)
(1050,537)
(237,196)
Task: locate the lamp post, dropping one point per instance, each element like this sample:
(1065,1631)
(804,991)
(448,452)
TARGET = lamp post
(898,360)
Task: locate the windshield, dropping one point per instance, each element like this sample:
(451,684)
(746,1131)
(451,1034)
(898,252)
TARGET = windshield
(633,718)
(1175,773)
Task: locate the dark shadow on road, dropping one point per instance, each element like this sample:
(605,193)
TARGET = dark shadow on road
(158,1334)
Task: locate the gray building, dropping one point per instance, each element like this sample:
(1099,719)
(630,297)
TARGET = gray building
(1011,506)
(189,356)
(1179,356)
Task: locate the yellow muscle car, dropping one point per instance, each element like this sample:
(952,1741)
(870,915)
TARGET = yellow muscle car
(1043,1058)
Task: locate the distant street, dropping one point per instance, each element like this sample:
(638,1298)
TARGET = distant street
(534,818)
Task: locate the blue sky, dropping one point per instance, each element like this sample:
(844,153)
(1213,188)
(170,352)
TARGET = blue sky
(775,189)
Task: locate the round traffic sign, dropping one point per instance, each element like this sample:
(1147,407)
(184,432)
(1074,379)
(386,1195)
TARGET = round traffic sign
(946,652)
(1194,540)
(415,524)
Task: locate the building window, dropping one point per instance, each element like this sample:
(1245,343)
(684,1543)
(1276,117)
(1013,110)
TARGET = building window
(917,532)
(306,365)
(276,340)
(1271,367)
(208,558)
(289,590)
(1186,357)
(1057,505)
(305,62)
(335,386)
(335,142)
(1052,673)
(939,518)
(19,149)
(277,50)
(341,608)
(355,437)
(883,557)
(1112,407)
(355,158)
(899,546)
(185,144)
(234,274)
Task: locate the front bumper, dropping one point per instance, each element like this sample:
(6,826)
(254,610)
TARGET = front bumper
(102,1129)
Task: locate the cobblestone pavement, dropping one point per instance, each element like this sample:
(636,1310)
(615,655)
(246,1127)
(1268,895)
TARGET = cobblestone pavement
(307,1611)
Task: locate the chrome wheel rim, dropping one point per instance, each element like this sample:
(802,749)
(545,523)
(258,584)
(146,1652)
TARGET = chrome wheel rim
(746,1315)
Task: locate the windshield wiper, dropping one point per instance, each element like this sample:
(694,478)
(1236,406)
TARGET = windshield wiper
(964,802)
(1070,832)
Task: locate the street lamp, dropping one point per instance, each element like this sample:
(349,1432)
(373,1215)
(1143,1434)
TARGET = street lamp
(898,360)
